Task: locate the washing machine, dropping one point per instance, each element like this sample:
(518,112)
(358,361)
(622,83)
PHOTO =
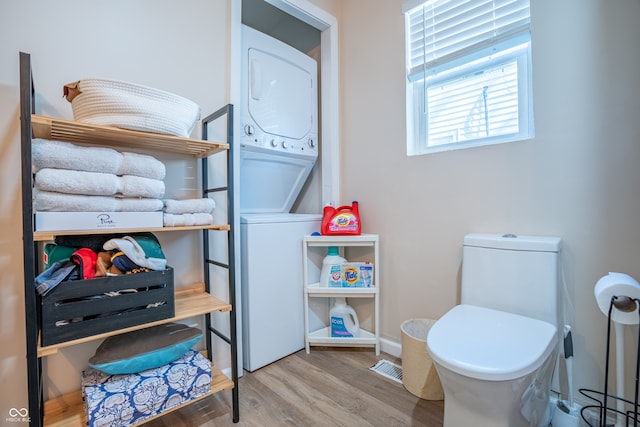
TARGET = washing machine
(272,297)
(278,150)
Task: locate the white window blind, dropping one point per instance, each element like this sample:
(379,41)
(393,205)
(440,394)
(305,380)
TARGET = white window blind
(476,107)
(468,73)
(444,31)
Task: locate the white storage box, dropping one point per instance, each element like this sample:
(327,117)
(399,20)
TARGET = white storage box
(353,275)
(131,106)
(54,221)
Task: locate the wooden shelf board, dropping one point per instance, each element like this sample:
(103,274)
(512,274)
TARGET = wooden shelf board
(67,410)
(84,133)
(45,236)
(190,301)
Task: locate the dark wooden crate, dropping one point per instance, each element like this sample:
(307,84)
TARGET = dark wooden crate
(89,312)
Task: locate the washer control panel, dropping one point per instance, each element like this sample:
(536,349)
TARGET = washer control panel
(254,137)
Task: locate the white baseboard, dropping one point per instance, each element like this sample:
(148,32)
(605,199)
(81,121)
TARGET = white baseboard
(391,347)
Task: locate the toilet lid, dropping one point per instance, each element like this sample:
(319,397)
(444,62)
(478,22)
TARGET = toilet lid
(487,344)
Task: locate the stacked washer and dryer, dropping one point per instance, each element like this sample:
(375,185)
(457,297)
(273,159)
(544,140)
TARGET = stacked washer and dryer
(278,150)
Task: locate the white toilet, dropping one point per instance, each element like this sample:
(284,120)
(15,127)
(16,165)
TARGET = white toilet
(495,352)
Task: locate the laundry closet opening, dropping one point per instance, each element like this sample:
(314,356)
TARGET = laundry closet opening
(280,177)
(268,19)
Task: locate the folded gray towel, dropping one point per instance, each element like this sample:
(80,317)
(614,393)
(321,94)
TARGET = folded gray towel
(178,207)
(48,201)
(187,219)
(64,155)
(97,183)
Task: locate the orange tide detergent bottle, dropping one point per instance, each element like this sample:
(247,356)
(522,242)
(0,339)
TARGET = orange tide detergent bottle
(344,220)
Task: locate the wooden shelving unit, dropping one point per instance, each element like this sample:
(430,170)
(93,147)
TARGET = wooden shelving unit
(190,301)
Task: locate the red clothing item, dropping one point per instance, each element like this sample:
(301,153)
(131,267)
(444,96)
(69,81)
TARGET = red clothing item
(86,259)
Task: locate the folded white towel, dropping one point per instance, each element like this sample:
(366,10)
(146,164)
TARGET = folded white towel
(141,165)
(137,186)
(97,183)
(178,207)
(187,219)
(64,155)
(48,201)
(127,204)
(76,182)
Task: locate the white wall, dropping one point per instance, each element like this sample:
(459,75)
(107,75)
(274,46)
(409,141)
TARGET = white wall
(578,178)
(180,47)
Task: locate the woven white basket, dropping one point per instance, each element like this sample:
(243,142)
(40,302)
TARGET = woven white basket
(131,106)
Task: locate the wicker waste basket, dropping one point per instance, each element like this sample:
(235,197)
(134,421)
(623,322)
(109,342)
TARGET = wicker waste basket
(419,375)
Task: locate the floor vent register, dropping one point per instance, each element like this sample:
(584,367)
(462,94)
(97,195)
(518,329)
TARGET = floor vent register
(388,369)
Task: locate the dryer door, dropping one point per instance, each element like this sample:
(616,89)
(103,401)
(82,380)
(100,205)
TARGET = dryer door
(270,183)
(280,95)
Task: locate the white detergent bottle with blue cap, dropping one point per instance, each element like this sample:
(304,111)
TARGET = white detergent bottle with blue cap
(330,272)
(344,320)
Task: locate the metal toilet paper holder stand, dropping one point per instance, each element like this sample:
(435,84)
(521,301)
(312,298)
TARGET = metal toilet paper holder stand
(603,398)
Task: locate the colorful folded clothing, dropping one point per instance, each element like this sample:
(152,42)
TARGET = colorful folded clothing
(142,249)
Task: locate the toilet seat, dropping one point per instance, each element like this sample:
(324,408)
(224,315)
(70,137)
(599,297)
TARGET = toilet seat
(488,344)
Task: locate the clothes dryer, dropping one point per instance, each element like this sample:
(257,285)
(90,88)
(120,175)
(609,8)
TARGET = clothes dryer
(279,116)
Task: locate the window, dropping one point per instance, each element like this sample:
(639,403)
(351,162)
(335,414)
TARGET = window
(468,73)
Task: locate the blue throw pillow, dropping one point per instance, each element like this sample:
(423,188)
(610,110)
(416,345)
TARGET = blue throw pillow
(149,348)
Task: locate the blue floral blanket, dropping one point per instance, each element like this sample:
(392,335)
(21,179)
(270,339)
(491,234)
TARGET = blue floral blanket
(124,400)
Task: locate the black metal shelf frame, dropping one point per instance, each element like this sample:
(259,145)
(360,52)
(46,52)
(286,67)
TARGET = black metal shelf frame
(230,264)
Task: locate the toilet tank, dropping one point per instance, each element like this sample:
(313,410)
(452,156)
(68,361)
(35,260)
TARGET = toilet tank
(516,274)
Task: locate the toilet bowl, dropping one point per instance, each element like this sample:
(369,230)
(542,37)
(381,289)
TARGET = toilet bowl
(495,367)
(495,352)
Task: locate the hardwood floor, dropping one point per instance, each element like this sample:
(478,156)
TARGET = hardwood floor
(328,387)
